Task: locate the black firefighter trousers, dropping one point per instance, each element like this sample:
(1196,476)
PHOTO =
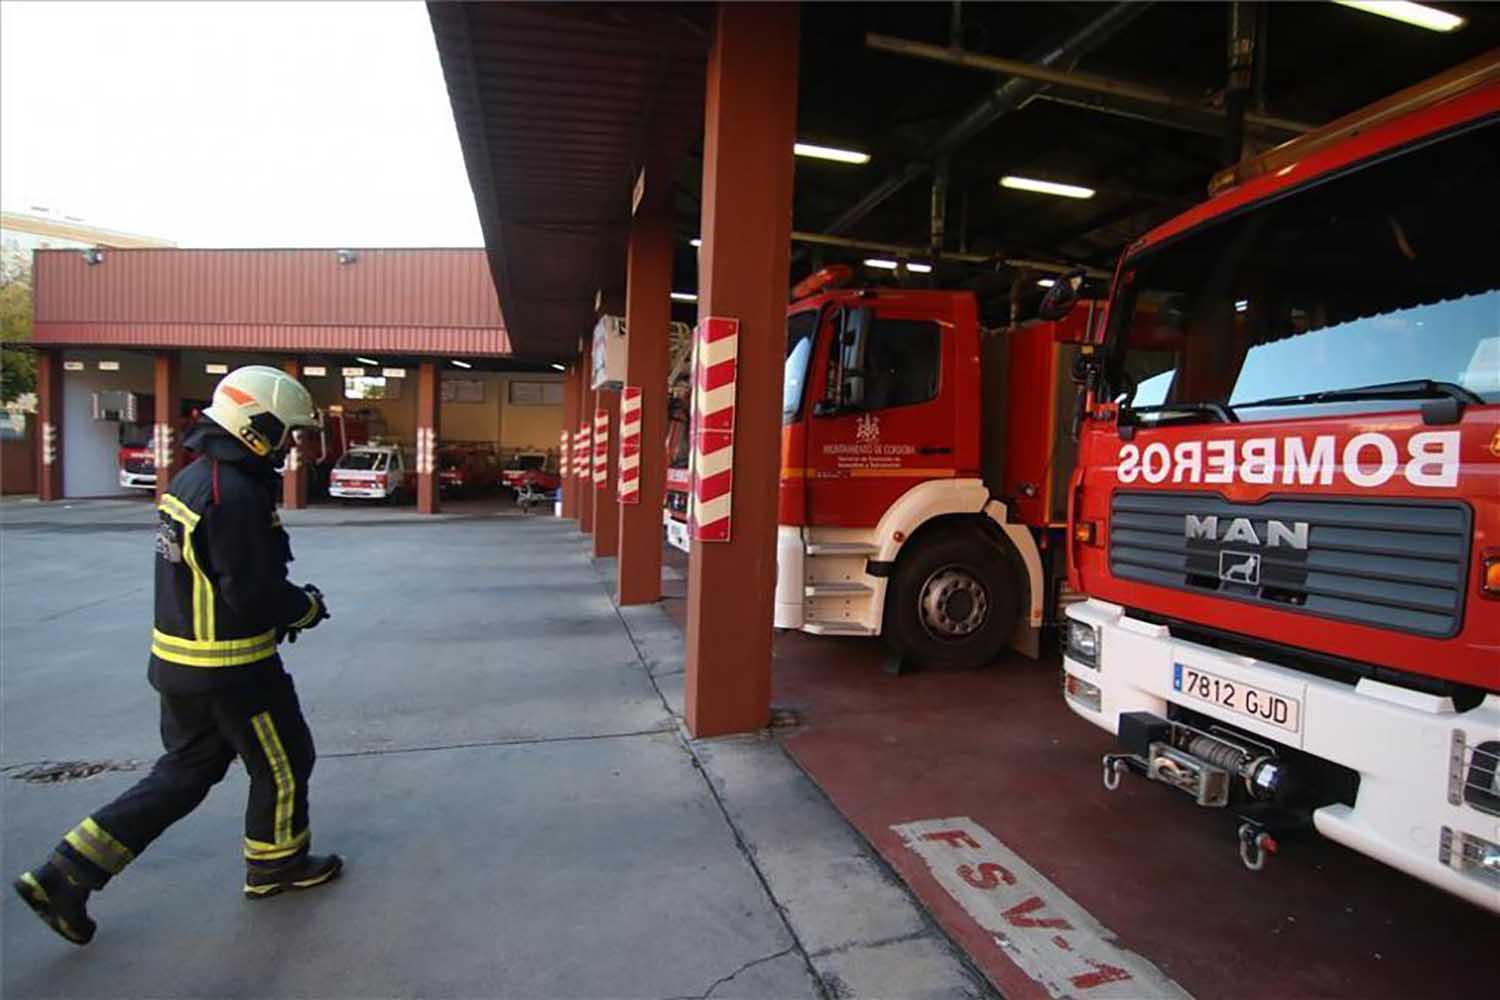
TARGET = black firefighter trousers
(260,722)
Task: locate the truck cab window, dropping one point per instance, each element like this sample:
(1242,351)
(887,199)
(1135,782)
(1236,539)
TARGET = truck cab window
(800,331)
(902,363)
(1348,285)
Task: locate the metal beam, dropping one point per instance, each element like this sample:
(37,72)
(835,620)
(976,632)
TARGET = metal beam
(1004,99)
(902,252)
(1044,74)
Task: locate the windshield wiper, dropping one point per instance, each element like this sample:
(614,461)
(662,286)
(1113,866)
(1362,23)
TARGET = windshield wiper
(1126,424)
(1219,411)
(1417,388)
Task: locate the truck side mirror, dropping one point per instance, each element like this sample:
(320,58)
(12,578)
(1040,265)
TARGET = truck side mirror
(1061,297)
(854,338)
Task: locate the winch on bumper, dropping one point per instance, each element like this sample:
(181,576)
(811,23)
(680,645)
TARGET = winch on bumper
(1241,732)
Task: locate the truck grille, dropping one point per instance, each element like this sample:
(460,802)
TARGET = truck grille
(1390,564)
(140,466)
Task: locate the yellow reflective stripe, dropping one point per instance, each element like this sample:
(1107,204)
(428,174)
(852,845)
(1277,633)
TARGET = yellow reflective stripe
(220,653)
(281,773)
(259,850)
(178,510)
(312,612)
(95,843)
(204,646)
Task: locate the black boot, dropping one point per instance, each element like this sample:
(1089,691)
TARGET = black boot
(61,902)
(306,872)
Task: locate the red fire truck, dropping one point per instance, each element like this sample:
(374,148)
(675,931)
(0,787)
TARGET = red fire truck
(923,474)
(1286,509)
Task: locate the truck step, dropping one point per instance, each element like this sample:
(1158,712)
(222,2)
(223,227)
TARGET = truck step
(836,588)
(841,549)
(837,628)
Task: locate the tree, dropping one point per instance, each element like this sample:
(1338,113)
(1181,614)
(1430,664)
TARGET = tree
(17,363)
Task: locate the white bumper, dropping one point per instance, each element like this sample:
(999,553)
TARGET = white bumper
(359,492)
(1400,742)
(137,481)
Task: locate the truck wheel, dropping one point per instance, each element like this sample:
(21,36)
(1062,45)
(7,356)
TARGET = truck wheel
(954,600)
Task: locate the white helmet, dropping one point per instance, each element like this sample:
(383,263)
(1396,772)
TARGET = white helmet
(261,406)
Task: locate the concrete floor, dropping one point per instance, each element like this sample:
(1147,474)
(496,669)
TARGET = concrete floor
(501,763)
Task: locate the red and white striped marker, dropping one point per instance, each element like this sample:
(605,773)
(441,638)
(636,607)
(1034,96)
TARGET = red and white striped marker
(601,448)
(716,351)
(630,444)
(581,451)
(562,453)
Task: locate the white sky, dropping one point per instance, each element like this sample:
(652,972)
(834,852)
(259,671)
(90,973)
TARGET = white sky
(233,124)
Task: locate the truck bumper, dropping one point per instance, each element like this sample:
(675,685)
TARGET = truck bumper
(1407,747)
(137,480)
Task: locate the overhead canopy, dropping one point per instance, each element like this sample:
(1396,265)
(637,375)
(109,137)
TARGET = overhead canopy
(557,108)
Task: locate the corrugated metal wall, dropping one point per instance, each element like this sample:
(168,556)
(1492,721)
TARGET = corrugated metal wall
(133,294)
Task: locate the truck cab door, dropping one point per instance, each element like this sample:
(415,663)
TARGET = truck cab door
(884,414)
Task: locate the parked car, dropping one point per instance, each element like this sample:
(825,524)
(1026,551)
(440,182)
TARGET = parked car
(467,469)
(370,472)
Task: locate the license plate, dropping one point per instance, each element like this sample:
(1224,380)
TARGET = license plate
(1243,699)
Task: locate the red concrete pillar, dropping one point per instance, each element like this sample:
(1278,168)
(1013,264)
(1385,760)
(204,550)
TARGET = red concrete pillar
(49,424)
(294,477)
(166,438)
(648,312)
(749,129)
(571,382)
(586,429)
(606,497)
(428,409)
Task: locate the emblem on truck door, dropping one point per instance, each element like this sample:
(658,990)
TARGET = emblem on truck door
(1239,567)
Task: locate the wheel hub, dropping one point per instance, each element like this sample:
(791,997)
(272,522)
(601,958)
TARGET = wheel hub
(954,603)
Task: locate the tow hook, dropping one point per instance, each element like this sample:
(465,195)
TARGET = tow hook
(1256,844)
(1112,765)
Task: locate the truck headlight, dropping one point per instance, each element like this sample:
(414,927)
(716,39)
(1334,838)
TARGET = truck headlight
(1083,643)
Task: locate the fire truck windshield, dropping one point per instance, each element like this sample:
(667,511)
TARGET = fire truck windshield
(1321,300)
(800,331)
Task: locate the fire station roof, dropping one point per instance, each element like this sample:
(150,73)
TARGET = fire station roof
(557,107)
(409,302)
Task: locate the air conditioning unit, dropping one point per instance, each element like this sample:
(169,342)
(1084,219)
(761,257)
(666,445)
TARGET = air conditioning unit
(610,338)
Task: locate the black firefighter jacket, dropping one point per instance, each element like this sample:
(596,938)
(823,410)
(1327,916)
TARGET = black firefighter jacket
(222,595)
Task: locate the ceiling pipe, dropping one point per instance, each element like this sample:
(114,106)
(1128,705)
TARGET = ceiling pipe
(1206,121)
(921,253)
(1242,17)
(1004,99)
(1043,74)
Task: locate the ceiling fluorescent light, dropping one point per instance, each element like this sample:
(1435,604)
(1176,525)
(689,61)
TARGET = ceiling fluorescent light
(1416,14)
(684,297)
(695,241)
(884,265)
(558,367)
(1046,282)
(812,152)
(1046,187)
(916,268)
(460,364)
(366,361)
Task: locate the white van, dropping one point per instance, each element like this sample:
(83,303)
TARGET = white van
(370,472)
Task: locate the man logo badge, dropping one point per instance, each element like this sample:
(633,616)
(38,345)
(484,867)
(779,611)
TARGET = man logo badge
(1239,567)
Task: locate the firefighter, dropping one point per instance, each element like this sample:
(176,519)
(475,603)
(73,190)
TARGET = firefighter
(223,604)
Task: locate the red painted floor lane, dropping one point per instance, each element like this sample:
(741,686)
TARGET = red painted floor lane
(1000,747)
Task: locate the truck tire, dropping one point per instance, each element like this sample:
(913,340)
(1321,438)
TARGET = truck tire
(954,600)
